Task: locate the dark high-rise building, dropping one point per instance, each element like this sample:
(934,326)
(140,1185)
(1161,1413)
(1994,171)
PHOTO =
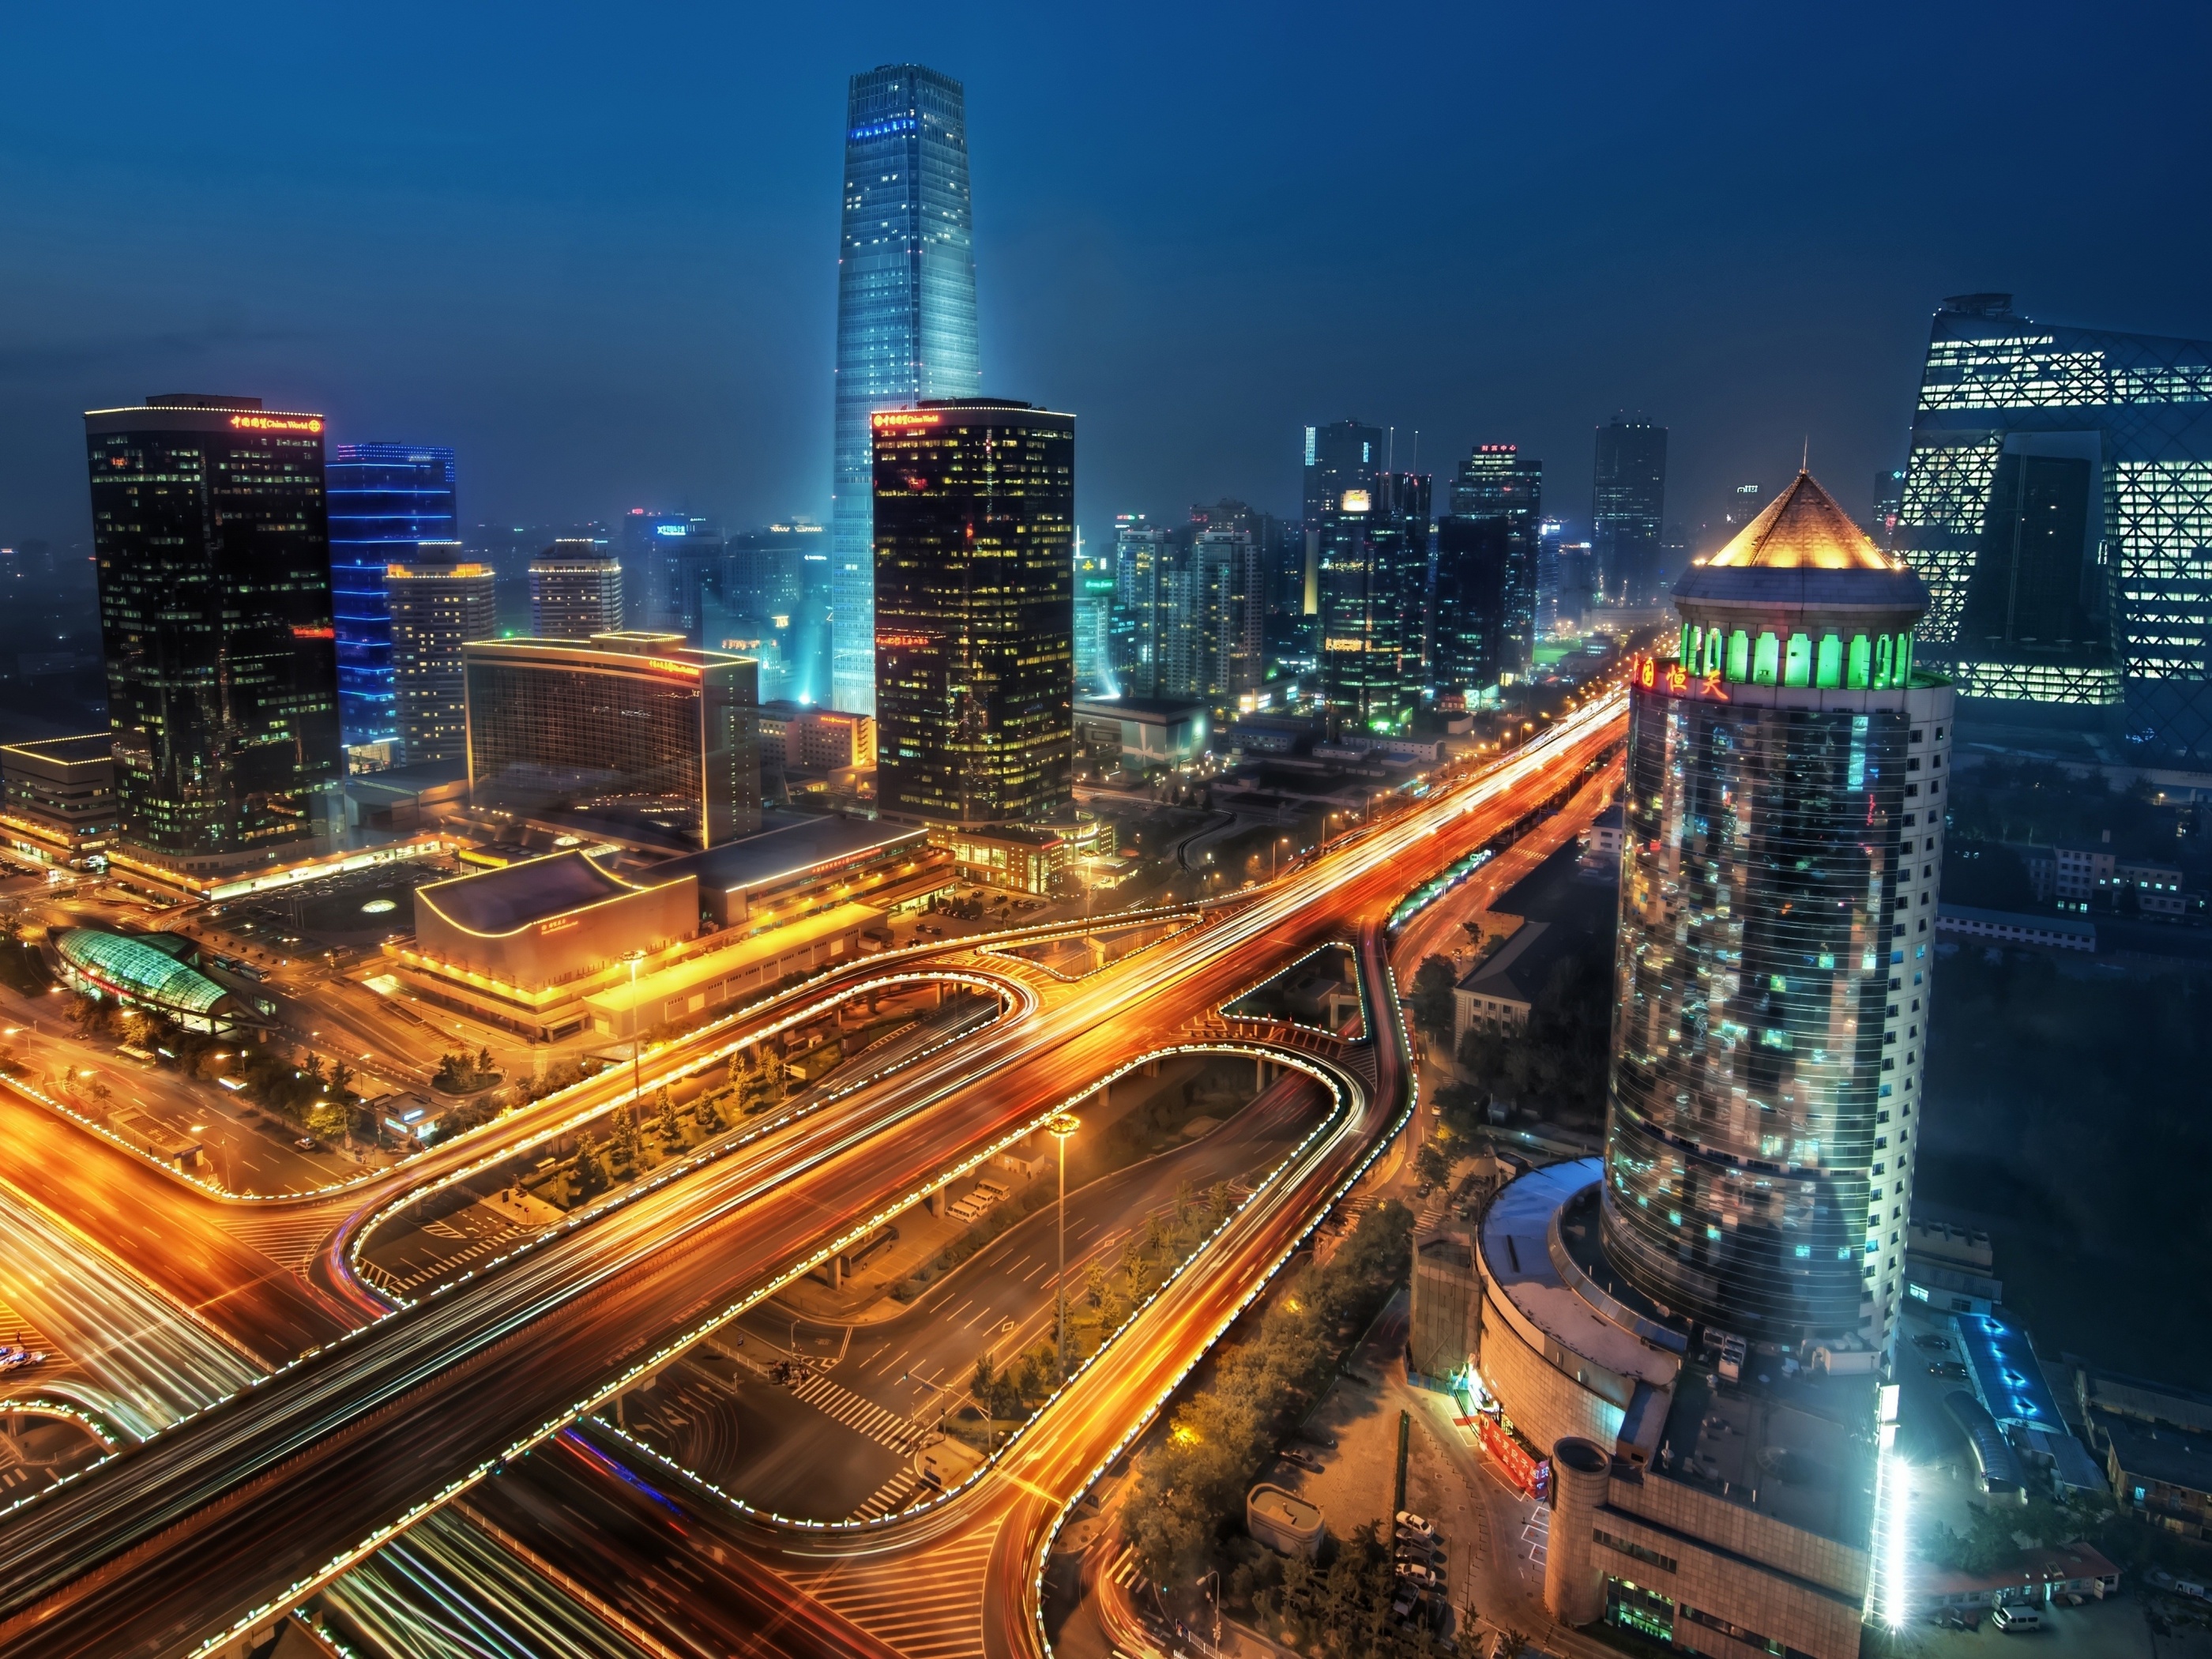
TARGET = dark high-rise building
(1628,506)
(1483,618)
(2058,499)
(1479,615)
(975,530)
(385,500)
(906,314)
(635,726)
(1551,574)
(437,607)
(212,545)
(1786,785)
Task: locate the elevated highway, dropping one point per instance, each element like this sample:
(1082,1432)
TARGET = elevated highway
(205,1532)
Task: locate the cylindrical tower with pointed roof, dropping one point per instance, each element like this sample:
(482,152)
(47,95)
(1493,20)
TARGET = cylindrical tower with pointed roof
(1783,832)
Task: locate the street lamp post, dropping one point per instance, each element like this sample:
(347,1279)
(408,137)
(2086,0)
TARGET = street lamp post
(1060,1128)
(636,1030)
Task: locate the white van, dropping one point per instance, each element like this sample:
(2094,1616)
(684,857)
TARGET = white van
(2017,1618)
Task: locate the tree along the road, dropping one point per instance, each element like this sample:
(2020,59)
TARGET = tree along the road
(1192,1483)
(1431,1002)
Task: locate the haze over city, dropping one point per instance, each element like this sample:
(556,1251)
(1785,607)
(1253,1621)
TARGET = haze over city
(595,258)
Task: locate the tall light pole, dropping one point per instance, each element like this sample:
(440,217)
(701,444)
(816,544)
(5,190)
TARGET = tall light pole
(636,1030)
(1060,1128)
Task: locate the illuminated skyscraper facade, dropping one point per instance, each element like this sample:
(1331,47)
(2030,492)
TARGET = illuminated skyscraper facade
(2058,500)
(437,607)
(384,500)
(905,315)
(212,545)
(1628,506)
(1142,553)
(625,725)
(1374,567)
(975,530)
(1785,791)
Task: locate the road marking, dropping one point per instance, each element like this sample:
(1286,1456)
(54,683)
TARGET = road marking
(863,1417)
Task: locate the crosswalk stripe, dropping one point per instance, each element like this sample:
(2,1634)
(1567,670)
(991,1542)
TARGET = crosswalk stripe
(863,1417)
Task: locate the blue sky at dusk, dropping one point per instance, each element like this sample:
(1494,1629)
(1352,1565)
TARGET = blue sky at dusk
(594,248)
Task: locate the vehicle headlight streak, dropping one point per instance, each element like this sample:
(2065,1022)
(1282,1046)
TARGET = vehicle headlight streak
(1243,925)
(1338,1084)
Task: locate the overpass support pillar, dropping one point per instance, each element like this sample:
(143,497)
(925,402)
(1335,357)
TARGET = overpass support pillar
(934,1202)
(837,1271)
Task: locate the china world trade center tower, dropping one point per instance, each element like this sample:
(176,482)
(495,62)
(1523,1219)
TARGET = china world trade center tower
(1783,809)
(906,317)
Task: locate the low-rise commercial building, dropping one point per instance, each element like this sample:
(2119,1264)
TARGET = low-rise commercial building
(799,863)
(1722,1505)
(2016,927)
(1010,856)
(153,972)
(57,802)
(1149,732)
(2156,1441)
(737,969)
(523,944)
(797,734)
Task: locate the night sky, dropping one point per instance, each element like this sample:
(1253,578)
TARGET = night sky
(594,248)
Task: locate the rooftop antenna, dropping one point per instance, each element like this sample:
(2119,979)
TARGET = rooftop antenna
(1805,461)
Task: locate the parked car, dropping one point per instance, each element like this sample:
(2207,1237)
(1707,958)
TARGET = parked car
(1409,1522)
(1950,1368)
(2009,1618)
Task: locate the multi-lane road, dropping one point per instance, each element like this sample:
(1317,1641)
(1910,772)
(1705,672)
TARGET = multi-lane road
(233,1513)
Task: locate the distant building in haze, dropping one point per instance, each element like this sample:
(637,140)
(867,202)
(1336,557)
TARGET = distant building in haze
(1481,611)
(1628,508)
(975,538)
(624,727)
(905,315)
(383,500)
(1094,621)
(1483,621)
(1888,503)
(212,543)
(2058,500)
(436,609)
(575,591)
(1141,553)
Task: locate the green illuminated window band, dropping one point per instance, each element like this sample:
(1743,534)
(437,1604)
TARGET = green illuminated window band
(1877,662)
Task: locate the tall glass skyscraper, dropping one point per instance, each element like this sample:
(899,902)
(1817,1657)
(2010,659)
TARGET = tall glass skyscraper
(208,528)
(385,500)
(1628,502)
(976,656)
(1784,796)
(2059,501)
(906,316)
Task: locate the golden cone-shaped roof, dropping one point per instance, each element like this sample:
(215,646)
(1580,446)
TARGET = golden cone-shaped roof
(1802,529)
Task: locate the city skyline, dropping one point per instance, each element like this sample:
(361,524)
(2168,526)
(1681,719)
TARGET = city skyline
(702,389)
